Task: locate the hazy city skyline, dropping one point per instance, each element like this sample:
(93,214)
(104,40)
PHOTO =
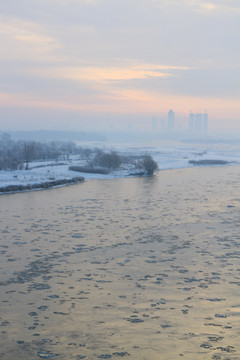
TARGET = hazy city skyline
(116,65)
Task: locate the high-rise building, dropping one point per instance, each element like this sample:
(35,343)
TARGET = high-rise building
(129,127)
(171,120)
(162,125)
(154,124)
(191,122)
(198,123)
(205,123)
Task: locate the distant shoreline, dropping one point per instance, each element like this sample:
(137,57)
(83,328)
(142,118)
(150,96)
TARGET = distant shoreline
(209,162)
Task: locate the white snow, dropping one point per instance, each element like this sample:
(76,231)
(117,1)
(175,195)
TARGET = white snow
(40,175)
(168,156)
(49,171)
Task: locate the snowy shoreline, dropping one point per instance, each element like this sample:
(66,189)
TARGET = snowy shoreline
(40,186)
(46,174)
(52,175)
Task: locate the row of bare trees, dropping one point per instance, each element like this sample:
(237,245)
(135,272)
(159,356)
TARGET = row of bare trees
(16,155)
(112,161)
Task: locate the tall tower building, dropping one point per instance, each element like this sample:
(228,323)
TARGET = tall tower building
(191,122)
(154,124)
(163,125)
(205,123)
(198,123)
(171,120)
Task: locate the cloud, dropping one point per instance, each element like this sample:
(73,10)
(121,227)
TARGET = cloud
(98,74)
(126,102)
(106,74)
(106,82)
(214,5)
(25,40)
(120,55)
(34,38)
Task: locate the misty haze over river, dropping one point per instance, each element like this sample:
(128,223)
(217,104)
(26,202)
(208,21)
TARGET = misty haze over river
(140,259)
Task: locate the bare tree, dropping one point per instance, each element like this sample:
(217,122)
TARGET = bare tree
(107,160)
(29,151)
(148,164)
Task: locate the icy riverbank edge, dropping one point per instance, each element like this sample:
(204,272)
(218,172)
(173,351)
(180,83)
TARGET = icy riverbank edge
(40,186)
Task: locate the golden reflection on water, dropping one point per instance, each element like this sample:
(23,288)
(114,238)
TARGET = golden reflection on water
(138,268)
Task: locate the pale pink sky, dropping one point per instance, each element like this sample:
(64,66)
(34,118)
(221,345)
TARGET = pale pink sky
(100,64)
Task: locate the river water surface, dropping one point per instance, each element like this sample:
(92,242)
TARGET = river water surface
(137,268)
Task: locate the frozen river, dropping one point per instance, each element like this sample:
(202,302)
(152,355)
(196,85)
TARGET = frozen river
(140,268)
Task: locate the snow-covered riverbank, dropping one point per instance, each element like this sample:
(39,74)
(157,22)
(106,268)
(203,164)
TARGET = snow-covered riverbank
(167,155)
(49,174)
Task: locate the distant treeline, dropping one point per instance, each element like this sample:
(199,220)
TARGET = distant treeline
(104,162)
(16,155)
(56,135)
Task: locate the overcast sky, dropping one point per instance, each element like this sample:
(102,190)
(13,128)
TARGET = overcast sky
(111,64)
